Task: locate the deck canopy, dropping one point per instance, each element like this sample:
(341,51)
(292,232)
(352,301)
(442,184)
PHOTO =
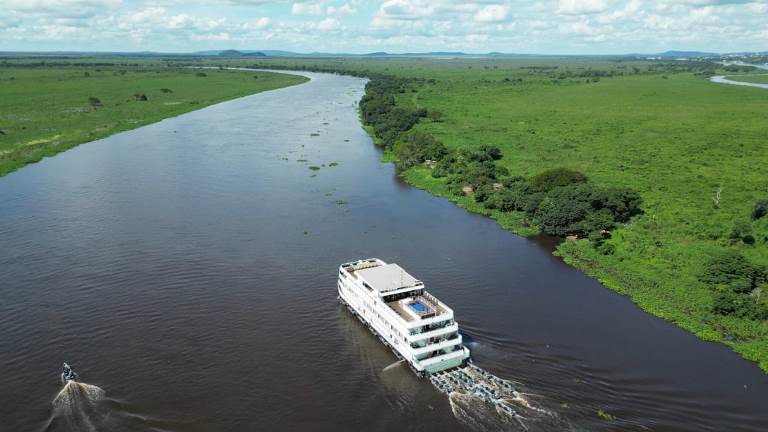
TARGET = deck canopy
(387,277)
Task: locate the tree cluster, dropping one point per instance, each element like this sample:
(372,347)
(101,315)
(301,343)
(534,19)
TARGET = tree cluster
(738,286)
(560,201)
(379,110)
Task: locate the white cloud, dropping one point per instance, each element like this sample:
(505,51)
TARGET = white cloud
(307,9)
(329,24)
(582,6)
(475,38)
(344,10)
(560,26)
(758,8)
(60,8)
(492,13)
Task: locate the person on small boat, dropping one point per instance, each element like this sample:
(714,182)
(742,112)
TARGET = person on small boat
(68,374)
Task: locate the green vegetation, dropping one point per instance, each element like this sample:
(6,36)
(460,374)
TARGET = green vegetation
(738,286)
(46,109)
(560,201)
(605,416)
(690,153)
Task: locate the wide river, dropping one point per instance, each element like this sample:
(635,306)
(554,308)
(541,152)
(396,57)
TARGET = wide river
(188,268)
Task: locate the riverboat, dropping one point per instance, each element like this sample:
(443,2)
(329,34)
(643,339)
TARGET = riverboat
(396,307)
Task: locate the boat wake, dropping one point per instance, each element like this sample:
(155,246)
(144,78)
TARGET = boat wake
(486,402)
(81,407)
(393,365)
(77,407)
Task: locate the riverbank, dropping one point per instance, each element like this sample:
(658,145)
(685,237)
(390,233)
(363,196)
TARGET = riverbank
(45,110)
(659,257)
(692,149)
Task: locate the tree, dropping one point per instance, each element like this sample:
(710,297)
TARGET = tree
(95,102)
(563,209)
(494,153)
(622,203)
(417,147)
(597,221)
(730,267)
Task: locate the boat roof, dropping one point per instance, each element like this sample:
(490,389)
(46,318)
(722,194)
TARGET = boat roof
(387,277)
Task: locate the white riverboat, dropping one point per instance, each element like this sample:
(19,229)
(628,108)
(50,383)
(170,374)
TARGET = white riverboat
(418,327)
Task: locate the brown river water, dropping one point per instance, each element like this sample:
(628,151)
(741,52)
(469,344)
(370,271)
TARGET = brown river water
(187,271)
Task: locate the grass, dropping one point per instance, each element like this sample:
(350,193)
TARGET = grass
(675,140)
(669,134)
(46,110)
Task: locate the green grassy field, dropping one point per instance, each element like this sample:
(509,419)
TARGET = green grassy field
(677,140)
(667,133)
(752,78)
(47,109)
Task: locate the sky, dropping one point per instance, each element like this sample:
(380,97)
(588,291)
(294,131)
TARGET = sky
(360,26)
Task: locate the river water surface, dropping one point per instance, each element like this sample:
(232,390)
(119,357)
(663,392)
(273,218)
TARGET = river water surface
(188,269)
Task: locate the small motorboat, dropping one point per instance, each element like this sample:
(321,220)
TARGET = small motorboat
(67,374)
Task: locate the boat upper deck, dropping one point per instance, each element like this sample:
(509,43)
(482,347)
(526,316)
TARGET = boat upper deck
(402,293)
(419,307)
(383,278)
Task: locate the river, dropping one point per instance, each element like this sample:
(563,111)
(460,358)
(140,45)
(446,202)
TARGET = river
(722,79)
(188,269)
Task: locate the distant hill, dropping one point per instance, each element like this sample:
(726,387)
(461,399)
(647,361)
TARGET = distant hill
(233,53)
(230,53)
(685,54)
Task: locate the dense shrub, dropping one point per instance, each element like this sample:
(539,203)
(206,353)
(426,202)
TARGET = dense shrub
(95,102)
(493,153)
(760,210)
(728,267)
(621,203)
(562,202)
(417,147)
(563,209)
(742,231)
(736,285)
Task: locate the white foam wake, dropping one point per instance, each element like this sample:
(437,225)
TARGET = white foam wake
(484,401)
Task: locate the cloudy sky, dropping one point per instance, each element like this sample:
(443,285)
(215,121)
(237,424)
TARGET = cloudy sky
(358,26)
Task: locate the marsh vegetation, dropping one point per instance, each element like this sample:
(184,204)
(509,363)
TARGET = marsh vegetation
(50,106)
